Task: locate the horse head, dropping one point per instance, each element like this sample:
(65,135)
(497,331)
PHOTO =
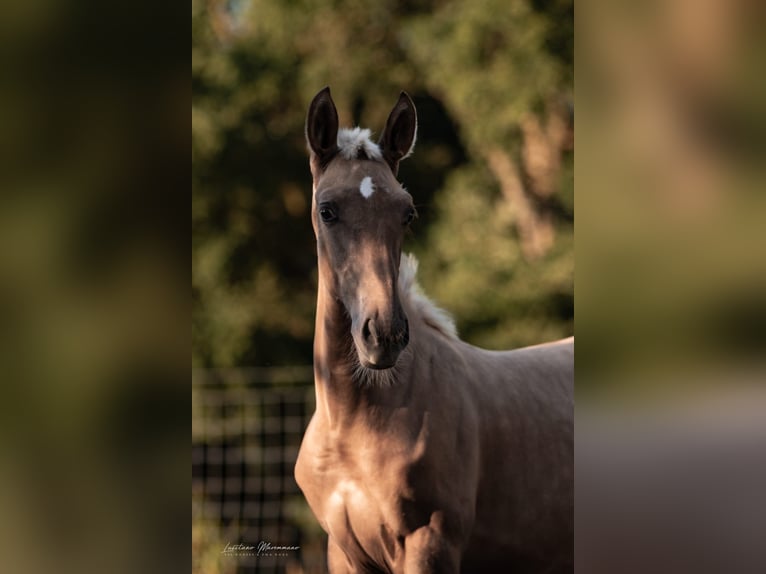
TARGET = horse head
(360,213)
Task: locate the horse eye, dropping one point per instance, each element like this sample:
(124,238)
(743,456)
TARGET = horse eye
(411,216)
(327,214)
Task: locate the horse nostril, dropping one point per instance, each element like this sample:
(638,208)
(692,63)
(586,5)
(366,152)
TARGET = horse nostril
(366,330)
(370,332)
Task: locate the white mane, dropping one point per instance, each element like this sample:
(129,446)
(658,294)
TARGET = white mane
(353,141)
(414,298)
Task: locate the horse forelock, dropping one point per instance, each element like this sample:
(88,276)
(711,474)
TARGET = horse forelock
(355,143)
(417,302)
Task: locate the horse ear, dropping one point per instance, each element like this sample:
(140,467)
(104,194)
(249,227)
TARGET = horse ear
(398,139)
(322,127)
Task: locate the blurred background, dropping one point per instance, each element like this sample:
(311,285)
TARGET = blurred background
(671,253)
(491,176)
(94,304)
(671,287)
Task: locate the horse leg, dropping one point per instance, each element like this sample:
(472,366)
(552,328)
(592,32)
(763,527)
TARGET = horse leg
(337,561)
(426,551)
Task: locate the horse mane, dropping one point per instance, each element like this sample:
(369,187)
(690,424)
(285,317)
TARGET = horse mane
(417,302)
(356,144)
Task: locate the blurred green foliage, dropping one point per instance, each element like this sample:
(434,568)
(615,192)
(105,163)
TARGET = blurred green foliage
(491,176)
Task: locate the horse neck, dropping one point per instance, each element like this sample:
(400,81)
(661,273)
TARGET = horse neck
(339,396)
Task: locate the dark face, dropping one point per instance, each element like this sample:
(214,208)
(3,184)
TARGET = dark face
(360,214)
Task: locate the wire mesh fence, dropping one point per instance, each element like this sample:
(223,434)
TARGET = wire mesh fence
(248,513)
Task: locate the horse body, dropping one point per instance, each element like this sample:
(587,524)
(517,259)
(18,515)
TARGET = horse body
(433,455)
(483,453)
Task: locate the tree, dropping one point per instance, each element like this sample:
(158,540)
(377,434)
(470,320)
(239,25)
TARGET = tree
(491,174)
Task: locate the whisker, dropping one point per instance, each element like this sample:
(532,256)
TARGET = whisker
(365,377)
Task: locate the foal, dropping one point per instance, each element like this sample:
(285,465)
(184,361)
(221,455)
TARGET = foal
(425,454)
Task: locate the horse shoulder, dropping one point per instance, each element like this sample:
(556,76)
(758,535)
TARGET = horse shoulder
(314,459)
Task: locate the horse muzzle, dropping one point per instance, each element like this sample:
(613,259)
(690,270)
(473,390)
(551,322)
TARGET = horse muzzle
(379,348)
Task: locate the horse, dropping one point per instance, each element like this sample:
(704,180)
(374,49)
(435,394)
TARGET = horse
(425,454)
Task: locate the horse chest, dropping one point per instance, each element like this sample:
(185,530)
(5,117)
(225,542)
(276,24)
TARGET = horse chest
(369,524)
(349,508)
(362,515)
